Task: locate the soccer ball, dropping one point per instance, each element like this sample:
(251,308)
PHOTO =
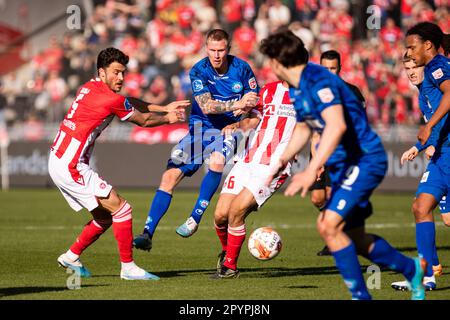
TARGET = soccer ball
(264,243)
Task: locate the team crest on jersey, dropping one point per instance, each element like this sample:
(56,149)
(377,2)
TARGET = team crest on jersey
(325,95)
(127,105)
(437,74)
(236,87)
(252,83)
(197,85)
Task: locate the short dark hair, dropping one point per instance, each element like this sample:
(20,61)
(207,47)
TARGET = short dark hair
(406,58)
(433,33)
(110,55)
(285,47)
(331,55)
(218,35)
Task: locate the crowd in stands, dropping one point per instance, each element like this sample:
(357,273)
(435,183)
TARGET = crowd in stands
(165,38)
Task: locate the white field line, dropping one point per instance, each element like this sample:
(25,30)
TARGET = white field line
(207,227)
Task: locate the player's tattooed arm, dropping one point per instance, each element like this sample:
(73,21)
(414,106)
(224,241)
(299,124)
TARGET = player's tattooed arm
(211,106)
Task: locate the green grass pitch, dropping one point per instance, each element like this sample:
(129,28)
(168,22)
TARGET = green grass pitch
(37,225)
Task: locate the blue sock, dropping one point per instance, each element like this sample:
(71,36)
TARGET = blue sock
(160,204)
(385,255)
(426,243)
(435,257)
(210,183)
(347,262)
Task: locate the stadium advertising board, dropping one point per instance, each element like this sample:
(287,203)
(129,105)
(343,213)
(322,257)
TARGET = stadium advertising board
(141,165)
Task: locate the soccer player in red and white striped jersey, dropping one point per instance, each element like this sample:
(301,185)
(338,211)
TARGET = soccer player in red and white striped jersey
(244,189)
(94,108)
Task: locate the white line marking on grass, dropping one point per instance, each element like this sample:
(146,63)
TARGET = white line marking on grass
(274,225)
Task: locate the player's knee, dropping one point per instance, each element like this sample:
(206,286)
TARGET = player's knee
(216,162)
(326,229)
(221,216)
(169,180)
(236,214)
(446,218)
(421,212)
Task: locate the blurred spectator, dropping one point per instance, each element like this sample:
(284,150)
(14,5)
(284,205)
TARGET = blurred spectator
(164,38)
(303,33)
(232,15)
(158,92)
(205,14)
(57,90)
(279,15)
(134,81)
(262,23)
(245,40)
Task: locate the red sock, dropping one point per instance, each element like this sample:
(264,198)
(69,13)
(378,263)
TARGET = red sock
(123,232)
(222,233)
(236,237)
(91,232)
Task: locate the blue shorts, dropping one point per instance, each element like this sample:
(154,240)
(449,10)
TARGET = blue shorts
(435,182)
(190,153)
(352,184)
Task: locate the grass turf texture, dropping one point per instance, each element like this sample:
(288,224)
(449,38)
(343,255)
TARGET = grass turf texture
(37,226)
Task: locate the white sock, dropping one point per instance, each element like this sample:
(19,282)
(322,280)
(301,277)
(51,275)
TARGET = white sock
(128,265)
(72,256)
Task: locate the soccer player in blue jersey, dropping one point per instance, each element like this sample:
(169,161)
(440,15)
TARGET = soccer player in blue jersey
(224,87)
(431,186)
(321,189)
(423,42)
(354,154)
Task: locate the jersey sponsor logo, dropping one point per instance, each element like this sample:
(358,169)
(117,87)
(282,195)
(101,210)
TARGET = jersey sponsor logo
(437,74)
(70,124)
(325,95)
(252,83)
(199,211)
(236,87)
(233,98)
(220,78)
(127,105)
(197,85)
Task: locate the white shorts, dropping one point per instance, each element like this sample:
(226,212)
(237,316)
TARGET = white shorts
(78,195)
(253,177)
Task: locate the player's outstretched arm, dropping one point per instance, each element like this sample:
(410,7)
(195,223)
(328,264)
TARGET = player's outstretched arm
(211,106)
(144,107)
(248,123)
(444,107)
(153,119)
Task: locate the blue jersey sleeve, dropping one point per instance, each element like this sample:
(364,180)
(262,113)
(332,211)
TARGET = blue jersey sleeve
(249,80)
(198,81)
(439,72)
(325,93)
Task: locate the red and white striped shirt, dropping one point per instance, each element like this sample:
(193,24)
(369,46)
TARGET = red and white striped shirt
(277,123)
(92,111)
